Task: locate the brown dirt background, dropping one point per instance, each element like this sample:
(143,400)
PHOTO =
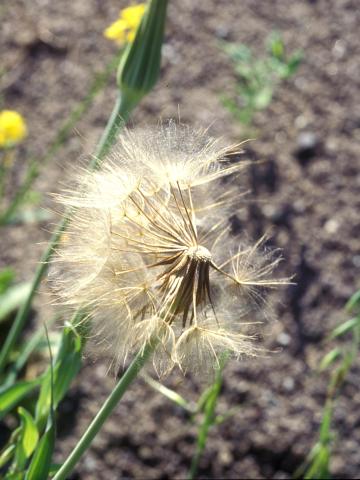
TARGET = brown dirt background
(50,51)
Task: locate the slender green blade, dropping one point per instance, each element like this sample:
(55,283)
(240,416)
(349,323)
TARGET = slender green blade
(345,327)
(354,301)
(7,275)
(41,462)
(11,396)
(67,365)
(330,358)
(27,440)
(13,298)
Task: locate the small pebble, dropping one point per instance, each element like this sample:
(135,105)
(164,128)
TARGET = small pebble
(356,260)
(307,144)
(222,32)
(339,49)
(331,226)
(283,339)
(301,122)
(288,384)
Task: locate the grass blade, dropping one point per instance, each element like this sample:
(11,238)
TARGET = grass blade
(27,440)
(11,396)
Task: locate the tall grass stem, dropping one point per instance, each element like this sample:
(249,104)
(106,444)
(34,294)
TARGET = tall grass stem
(105,411)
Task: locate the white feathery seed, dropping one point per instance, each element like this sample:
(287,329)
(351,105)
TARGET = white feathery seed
(149,252)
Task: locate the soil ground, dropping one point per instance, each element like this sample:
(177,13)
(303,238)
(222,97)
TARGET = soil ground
(310,197)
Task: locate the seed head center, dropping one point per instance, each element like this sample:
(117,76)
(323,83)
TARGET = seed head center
(199,253)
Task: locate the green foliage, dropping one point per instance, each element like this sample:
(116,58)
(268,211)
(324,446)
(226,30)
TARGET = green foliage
(207,404)
(40,465)
(34,343)
(317,464)
(27,440)
(140,66)
(30,447)
(7,275)
(12,298)
(57,380)
(258,77)
(41,462)
(11,396)
(169,394)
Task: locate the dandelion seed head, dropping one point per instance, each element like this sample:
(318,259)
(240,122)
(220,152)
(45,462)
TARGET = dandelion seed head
(149,254)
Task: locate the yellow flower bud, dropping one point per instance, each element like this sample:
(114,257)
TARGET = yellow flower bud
(140,65)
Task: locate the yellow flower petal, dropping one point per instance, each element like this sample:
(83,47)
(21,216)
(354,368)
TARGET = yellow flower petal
(132,15)
(131,35)
(12,128)
(117,31)
(124,29)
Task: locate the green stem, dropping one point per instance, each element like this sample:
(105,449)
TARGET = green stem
(105,411)
(209,419)
(25,353)
(118,116)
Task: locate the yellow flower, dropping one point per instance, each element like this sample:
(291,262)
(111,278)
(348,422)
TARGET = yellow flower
(117,31)
(124,28)
(12,128)
(133,15)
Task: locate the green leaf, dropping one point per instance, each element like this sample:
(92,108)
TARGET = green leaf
(354,301)
(14,476)
(276,46)
(219,419)
(41,462)
(7,275)
(204,397)
(263,98)
(13,298)
(330,358)
(294,63)
(279,68)
(54,467)
(27,440)
(11,396)
(325,436)
(319,469)
(140,65)
(8,450)
(7,454)
(238,52)
(168,393)
(67,365)
(26,349)
(345,327)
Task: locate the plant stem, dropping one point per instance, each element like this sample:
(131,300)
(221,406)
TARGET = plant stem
(28,349)
(105,411)
(118,116)
(208,421)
